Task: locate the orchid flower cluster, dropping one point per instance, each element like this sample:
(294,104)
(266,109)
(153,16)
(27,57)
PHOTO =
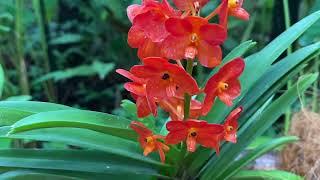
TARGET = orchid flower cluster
(165,37)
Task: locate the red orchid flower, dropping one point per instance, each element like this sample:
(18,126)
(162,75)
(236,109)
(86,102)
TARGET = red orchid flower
(194,37)
(225,84)
(175,107)
(186,5)
(137,88)
(164,79)
(232,8)
(148,141)
(150,17)
(148,30)
(231,125)
(194,131)
(146,47)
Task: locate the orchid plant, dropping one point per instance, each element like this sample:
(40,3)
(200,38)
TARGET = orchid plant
(209,128)
(182,35)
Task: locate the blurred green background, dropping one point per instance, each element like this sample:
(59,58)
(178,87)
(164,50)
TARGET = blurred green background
(66,51)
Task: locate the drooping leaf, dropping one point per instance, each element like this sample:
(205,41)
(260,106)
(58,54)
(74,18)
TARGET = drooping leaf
(100,122)
(12,111)
(86,139)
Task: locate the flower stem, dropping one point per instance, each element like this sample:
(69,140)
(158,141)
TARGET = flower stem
(289,51)
(213,13)
(39,8)
(19,29)
(315,105)
(187,97)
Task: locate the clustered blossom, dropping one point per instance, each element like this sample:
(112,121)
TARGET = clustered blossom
(166,37)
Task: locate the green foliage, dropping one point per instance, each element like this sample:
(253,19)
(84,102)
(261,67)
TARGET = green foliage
(96,68)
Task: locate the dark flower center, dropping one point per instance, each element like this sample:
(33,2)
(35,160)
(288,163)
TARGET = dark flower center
(165,76)
(193,134)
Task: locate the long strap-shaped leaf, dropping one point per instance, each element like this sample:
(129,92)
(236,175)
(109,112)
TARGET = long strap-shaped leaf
(13,111)
(26,174)
(1,80)
(74,160)
(274,79)
(259,151)
(274,174)
(87,139)
(259,63)
(100,122)
(217,165)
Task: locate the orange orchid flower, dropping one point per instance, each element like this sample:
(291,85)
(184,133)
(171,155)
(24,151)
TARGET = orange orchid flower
(148,141)
(194,132)
(224,84)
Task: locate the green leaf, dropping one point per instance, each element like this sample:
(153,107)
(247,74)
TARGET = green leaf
(74,160)
(100,122)
(102,69)
(19,98)
(26,174)
(131,111)
(259,151)
(275,78)
(66,39)
(12,111)
(258,142)
(313,34)
(1,80)
(86,139)
(5,28)
(6,16)
(259,63)
(29,175)
(253,128)
(259,174)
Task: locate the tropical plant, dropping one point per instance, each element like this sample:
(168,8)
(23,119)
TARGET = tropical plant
(92,145)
